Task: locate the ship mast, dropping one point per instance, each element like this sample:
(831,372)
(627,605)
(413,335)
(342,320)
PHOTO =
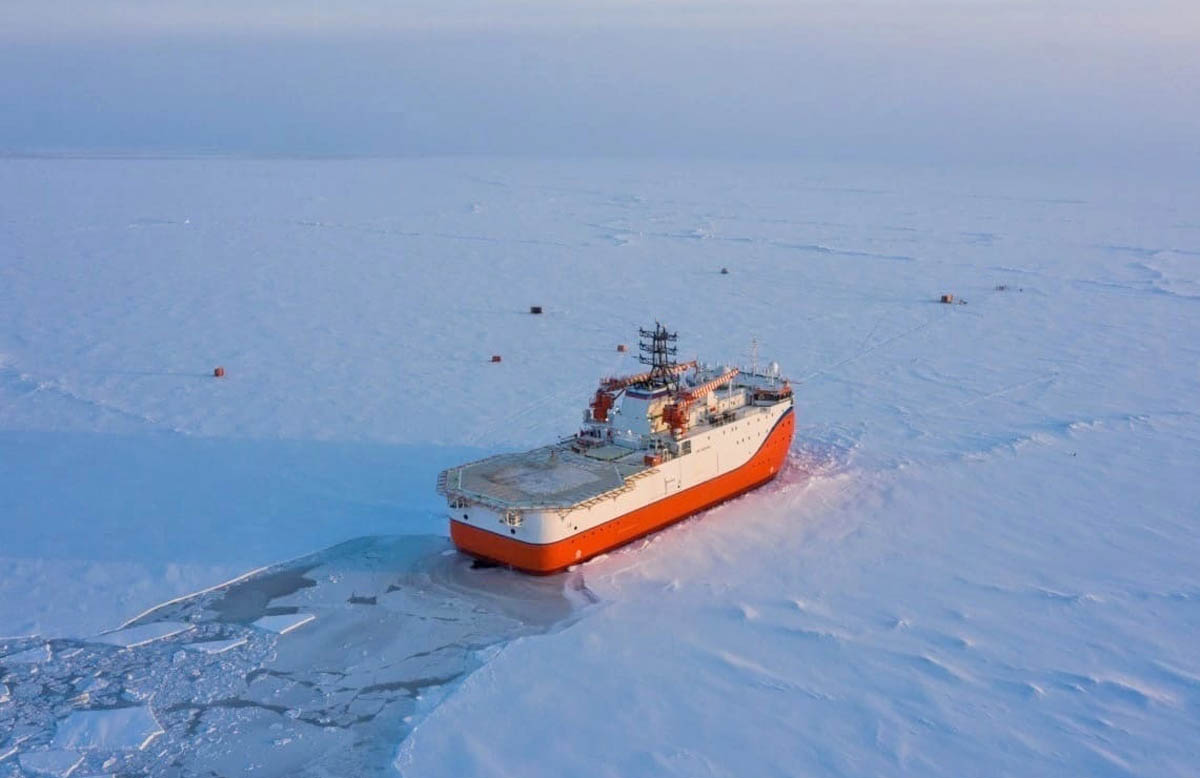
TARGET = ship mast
(658,349)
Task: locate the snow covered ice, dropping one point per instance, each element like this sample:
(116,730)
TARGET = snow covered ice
(981,555)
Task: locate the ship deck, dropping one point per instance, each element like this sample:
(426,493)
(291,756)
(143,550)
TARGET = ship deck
(547,477)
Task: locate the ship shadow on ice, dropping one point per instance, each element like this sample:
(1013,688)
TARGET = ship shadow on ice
(317,666)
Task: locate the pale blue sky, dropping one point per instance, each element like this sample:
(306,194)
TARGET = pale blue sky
(1045,80)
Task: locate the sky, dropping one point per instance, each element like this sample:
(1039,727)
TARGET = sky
(1045,82)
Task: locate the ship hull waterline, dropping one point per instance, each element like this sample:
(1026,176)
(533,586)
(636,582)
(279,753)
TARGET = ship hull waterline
(549,558)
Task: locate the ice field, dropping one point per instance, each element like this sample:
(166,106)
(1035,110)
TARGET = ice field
(981,558)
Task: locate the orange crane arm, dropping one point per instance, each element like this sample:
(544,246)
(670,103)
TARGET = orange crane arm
(696,392)
(621,382)
(676,415)
(605,397)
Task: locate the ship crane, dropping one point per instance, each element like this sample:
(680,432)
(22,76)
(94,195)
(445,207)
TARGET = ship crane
(606,395)
(677,414)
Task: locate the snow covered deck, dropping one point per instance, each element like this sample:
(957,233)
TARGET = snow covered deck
(551,476)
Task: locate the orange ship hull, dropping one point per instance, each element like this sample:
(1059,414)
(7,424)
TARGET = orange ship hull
(543,559)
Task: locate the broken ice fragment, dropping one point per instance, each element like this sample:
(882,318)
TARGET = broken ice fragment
(284,623)
(142,634)
(216,646)
(110,729)
(54,763)
(28,656)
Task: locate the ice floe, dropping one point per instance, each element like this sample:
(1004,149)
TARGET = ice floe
(108,728)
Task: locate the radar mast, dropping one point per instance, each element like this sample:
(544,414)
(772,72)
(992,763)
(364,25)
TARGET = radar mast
(658,350)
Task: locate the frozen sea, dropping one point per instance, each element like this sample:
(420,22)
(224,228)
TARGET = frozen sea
(981,559)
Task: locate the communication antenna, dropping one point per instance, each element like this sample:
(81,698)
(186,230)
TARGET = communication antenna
(658,350)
